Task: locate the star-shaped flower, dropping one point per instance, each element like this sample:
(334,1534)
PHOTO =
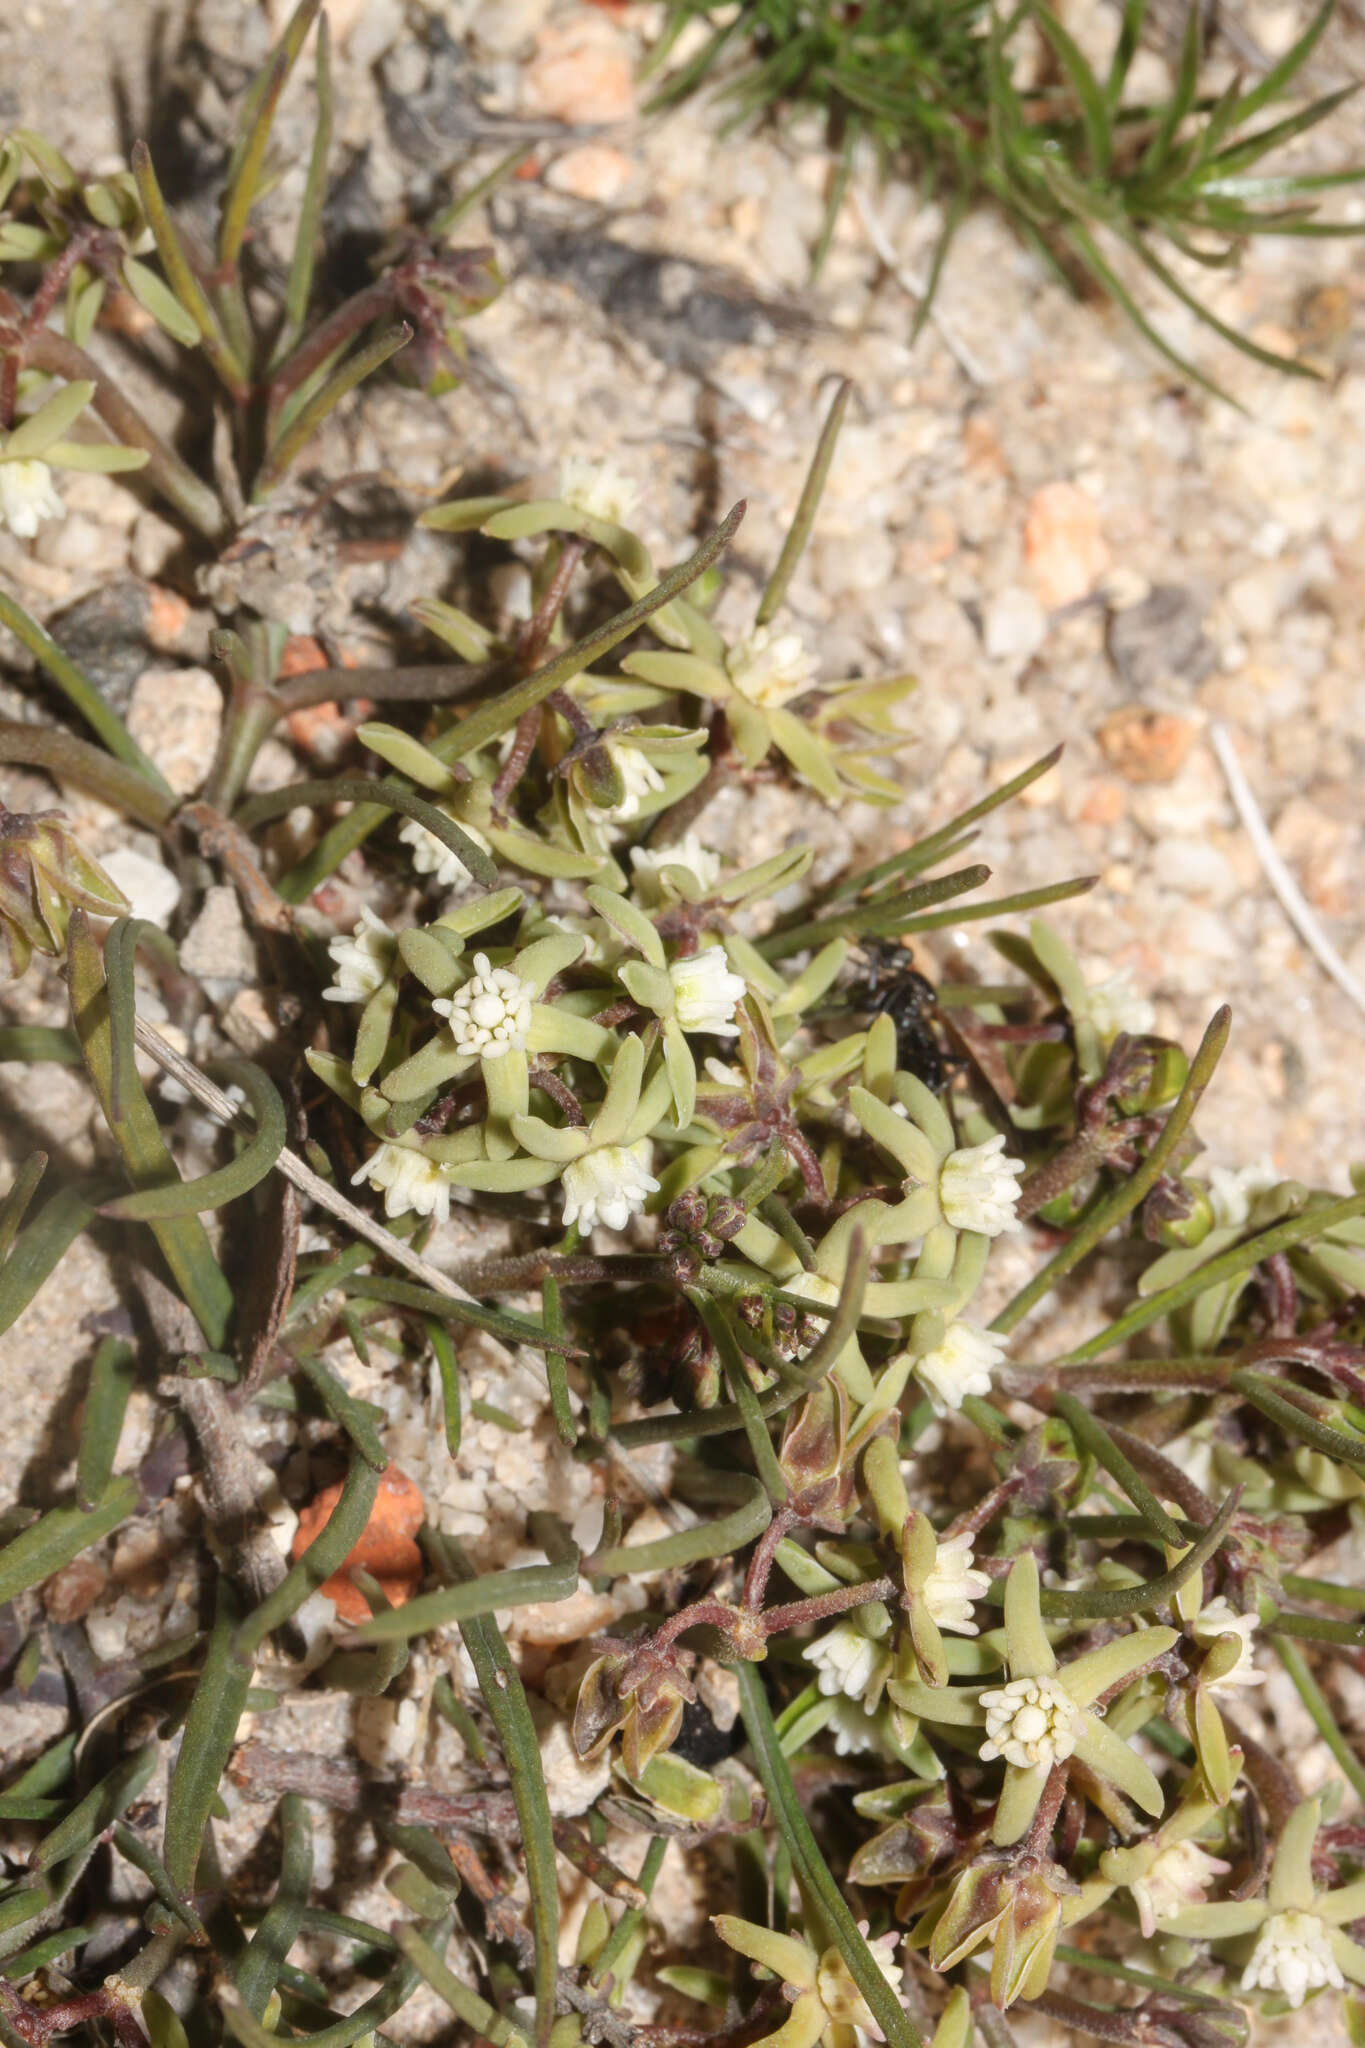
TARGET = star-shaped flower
(1045,1712)
(1301,1944)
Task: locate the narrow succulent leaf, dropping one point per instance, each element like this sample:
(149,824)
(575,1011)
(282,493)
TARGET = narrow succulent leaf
(99,1809)
(491,1593)
(719,1538)
(102,1012)
(356,1418)
(39,1249)
(1110,1757)
(210,1730)
(326,1554)
(61,1535)
(511,1717)
(106,1402)
(258,1970)
(35,435)
(810,1866)
(228,1183)
(303,424)
(1099,1671)
(14,1207)
(388,796)
(808,505)
(82,695)
(1028,1650)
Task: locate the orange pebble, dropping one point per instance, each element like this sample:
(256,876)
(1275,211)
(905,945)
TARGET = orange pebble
(385,1549)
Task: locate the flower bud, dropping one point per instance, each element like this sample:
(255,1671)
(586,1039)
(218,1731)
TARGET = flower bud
(43,872)
(1153,1073)
(1177,1214)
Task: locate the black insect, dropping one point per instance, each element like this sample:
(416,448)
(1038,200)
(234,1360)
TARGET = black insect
(895,989)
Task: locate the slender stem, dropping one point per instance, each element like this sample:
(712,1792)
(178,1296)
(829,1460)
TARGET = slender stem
(165,471)
(358,312)
(73,760)
(310,416)
(799,532)
(1323,1719)
(1093,1437)
(181,277)
(1126,1197)
(1239,1258)
(80,692)
(438,683)
(810,1866)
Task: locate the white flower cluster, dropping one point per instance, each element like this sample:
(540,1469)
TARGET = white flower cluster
(361,961)
(1031,1722)
(608,1185)
(770,668)
(648,865)
(1293,1954)
(1232,1190)
(598,489)
(490,1013)
(431,856)
(848,1662)
(1219,1618)
(27,497)
(839,1995)
(977,1188)
(705,992)
(952,1585)
(1179,1877)
(410,1181)
(1115,1005)
(960,1365)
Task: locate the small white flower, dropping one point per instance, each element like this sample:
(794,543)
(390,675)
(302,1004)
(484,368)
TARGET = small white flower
(410,1181)
(1031,1722)
(1232,1190)
(952,1585)
(27,497)
(598,488)
(853,1729)
(431,856)
(361,961)
(639,779)
(977,1190)
(1293,1954)
(1115,1005)
(490,1013)
(608,1185)
(689,853)
(962,1364)
(706,993)
(1179,1877)
(839,1995)
(770,668)
(847,1661)
(1221,1619)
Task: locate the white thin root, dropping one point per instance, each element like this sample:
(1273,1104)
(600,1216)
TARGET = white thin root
(1292,899)
(970,364)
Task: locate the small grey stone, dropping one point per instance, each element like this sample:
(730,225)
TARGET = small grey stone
(1160,638)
